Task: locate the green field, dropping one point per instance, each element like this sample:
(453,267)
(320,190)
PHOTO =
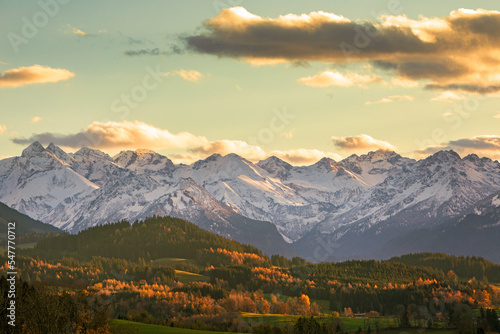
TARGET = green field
(183,276)
(27,245)
(417,330)
(186,277)
(272,319)
(323,304)
(155,329)
(172,261)
(350,324)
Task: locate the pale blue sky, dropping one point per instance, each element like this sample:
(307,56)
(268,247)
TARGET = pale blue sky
(233,100)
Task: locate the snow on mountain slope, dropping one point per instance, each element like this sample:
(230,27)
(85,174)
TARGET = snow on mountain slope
(477,233)
(424,194)
(96,166)
(249,190)
(442,185)
(357,203)
(142,160)
(39,180)
(141,196)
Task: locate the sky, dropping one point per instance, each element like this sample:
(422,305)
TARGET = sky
(296,79)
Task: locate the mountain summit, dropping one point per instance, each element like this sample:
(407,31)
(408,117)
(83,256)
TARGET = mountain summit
(357,204)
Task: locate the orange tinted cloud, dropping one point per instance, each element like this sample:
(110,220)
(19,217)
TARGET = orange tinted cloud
(460,51)
(192,75)
(32,75)
(483,146)
(304,156)
(362,143)
(392,99)
(133,135)
(335,78)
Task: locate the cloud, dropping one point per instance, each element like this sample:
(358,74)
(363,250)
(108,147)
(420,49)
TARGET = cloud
(224,147)
(392,99)
(75,31)
(479,88)
(133,41)
(36,119)
(174,50)
(132,135)
(3,128)
(497,116)
(193,76)
(459,51)
(361,142)
(32,75)
(382,100)
(304,156)
(485,142)
(404,82)
(118,135)
(484,145)
(287,135)
(334,78)
(448,97)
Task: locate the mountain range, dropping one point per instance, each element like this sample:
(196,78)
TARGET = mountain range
(379,204)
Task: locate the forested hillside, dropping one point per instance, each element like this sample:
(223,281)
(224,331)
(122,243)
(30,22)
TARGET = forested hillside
(463,266)
(24,224)
(152,238)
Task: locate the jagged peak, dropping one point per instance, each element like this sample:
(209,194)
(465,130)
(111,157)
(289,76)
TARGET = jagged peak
(381,154)
(33,149)
(472,158)
(234,156)
(87,153)
(327,163)
(59,153)
(275,167)
(143,151)
(124,153)
(213,157)
(274,160)
(142,158)
(445,155)
(138,152)
(220,159)
(52,147)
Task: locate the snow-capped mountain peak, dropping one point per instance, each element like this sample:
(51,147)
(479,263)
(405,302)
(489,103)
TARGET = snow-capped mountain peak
(35,149)
(91,155)
(376,194)
(60,154)
(327,164)
(276,167)
(141,160)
